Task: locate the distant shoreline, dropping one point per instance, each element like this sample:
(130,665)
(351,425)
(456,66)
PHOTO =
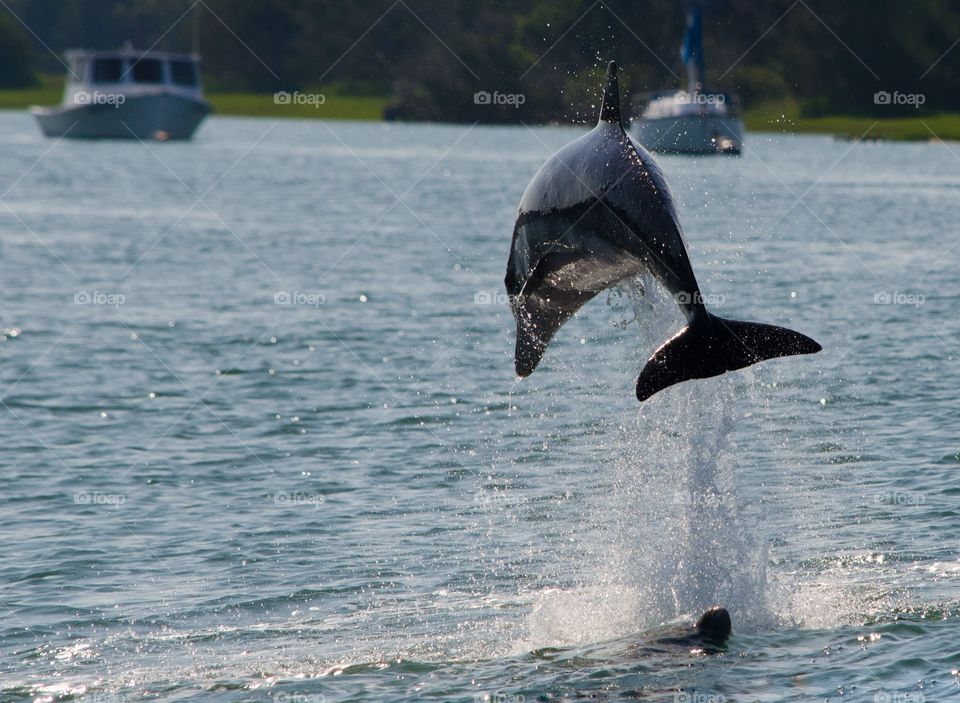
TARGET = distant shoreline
(785,117)
(779,117)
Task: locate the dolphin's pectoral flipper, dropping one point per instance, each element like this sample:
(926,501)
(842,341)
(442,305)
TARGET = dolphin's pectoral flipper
(549,298)
(538,319)
(562,283)
(710,345)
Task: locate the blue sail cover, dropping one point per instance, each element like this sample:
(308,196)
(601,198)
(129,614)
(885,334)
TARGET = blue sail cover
(691,51)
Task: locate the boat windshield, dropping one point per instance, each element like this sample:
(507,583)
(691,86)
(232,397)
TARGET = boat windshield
(182,72)
(147,71)
(107,70)
(138,68)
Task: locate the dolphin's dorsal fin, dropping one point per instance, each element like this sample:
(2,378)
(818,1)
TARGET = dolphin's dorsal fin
(610,109)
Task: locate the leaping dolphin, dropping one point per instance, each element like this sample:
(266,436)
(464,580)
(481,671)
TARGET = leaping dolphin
(600,211)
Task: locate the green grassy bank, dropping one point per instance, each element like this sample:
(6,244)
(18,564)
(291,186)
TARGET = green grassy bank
(48,92)
(319,103)
(785,117)
(333,107)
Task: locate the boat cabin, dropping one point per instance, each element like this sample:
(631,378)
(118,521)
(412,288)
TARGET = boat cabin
(118,70)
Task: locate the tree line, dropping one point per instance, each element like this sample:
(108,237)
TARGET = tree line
(529,60)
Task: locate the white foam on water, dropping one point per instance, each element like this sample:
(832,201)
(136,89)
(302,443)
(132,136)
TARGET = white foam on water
(567,617)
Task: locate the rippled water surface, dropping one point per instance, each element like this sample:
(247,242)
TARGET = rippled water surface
(263,441)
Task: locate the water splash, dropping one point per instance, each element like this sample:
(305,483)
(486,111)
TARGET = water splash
(678,528)
(673,540)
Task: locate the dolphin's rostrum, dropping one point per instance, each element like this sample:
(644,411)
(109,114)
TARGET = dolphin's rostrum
(600,211)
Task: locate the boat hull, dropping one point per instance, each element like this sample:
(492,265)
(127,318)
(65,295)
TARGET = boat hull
(158,116)
(690,134)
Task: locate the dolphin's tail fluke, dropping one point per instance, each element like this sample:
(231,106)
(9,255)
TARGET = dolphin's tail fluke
(710,345)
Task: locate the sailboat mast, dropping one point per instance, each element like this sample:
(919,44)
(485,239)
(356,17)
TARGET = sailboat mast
(691,51)
(195,29)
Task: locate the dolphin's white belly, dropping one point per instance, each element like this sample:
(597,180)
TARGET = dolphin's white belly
(596,268)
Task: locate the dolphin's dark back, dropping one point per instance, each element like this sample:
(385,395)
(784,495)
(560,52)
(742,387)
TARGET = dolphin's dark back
(605,182)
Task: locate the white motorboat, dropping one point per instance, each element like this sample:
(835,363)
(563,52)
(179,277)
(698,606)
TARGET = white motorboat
(127,94)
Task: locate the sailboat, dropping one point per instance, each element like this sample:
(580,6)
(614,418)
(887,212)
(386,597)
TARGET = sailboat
(695,120)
